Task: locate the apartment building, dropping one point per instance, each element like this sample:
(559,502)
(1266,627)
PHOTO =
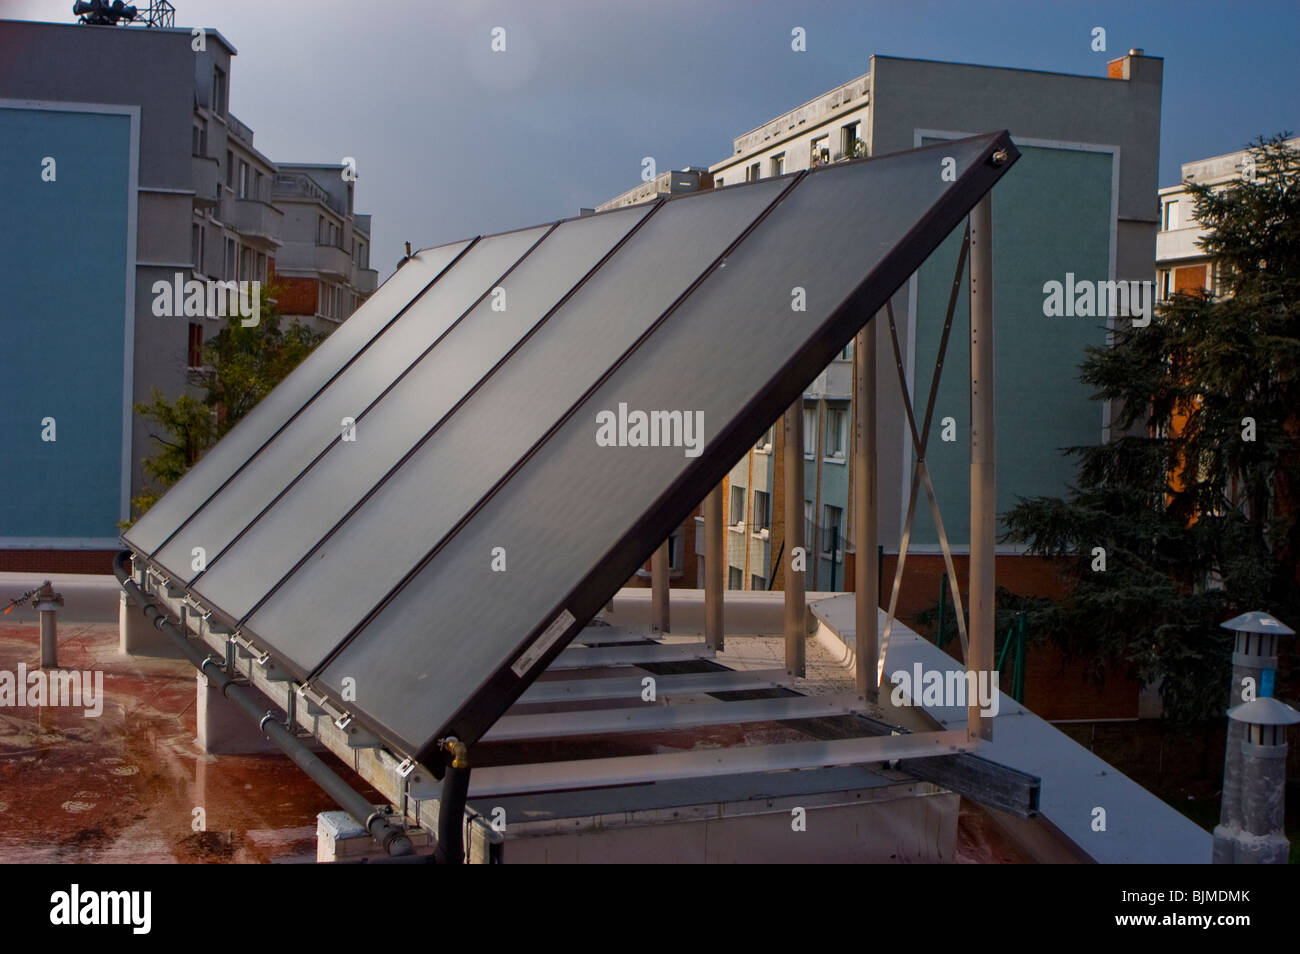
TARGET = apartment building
(323,270)
(1180,264)
(127,168)
(1074,204)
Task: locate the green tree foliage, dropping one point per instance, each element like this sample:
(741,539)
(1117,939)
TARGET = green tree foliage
(1196,505)
(242,366)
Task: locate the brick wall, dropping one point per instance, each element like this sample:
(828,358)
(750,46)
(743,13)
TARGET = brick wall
(57,561)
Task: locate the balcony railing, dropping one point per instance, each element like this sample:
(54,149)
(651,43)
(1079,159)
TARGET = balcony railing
(1178,244)
(259,219)
(203,170)
(365,280)
(326,259)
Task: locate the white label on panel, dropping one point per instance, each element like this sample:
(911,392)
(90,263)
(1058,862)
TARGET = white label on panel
(543,642)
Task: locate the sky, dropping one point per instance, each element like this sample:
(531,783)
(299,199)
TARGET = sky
(452,139)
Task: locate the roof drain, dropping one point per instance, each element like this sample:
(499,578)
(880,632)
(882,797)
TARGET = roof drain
(353,802)
(451,804)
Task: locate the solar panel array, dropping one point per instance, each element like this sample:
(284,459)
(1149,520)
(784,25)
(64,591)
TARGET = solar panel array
(459,477)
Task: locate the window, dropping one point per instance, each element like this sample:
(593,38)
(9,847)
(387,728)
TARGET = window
(764,445)
(230,169)
(737,506)
(831,530)
(752,174)
(756,582)
(230,262)
(761,514)
(820,151)
(849,142)
(1169,219)
(778,164)
(808,528)
(847,353)
(243,179)
(258,185)
(735,578)
(837,432)
(321,234)
(219,91)
(675,551)
(246,264)
(194,358)
(261,267)
(200,143)
(810,432)
(196,246)
(720,183)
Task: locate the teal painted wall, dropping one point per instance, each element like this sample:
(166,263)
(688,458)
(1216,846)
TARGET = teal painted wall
(1051,215)
(63,316)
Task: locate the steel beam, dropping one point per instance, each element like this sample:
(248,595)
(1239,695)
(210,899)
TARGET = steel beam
(580,657)
(796,608)
(632,687)
(655,718)
(983,493)
(714,561)
(866,582)
(740,760)
(659,571)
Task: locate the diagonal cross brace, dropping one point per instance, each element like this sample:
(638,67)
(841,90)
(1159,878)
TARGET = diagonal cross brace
(920,440)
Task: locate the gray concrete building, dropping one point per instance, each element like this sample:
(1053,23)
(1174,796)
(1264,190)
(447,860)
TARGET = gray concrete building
(1080,202)
(130,169)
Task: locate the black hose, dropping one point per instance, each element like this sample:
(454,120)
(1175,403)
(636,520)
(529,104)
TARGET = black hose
(393,839)
(451,815)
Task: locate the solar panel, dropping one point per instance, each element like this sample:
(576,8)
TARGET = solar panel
(277,408)
(347,396)
(409,412)
(306,617)
(438,579)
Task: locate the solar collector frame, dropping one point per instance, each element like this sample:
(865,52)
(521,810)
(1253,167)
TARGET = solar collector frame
(473,708)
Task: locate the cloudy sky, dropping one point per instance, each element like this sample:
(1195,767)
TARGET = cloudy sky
(452,139)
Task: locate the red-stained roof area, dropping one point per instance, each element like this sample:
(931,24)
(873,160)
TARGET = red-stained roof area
(125,786)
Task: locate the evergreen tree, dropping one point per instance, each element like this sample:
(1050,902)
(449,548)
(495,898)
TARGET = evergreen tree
(1195,506)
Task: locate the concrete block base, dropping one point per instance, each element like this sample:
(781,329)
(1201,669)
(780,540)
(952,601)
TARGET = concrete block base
(137,636)
(224,729)
(1236,847)
(340,837)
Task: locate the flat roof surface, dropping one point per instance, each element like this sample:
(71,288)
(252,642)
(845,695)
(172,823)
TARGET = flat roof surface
(1139,827)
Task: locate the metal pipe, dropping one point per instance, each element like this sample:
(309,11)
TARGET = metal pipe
(451,805)
(47,603)
(796,632)
(714,559)
(866,567)
(983,483)
(659,589)
(393,839)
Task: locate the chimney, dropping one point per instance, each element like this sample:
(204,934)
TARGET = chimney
(1248,769)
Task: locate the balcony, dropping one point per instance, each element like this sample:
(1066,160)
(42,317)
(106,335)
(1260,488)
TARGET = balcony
(1178,245)
(203,171)
(835,383)
(365,280)
(323,259)
(257,220)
